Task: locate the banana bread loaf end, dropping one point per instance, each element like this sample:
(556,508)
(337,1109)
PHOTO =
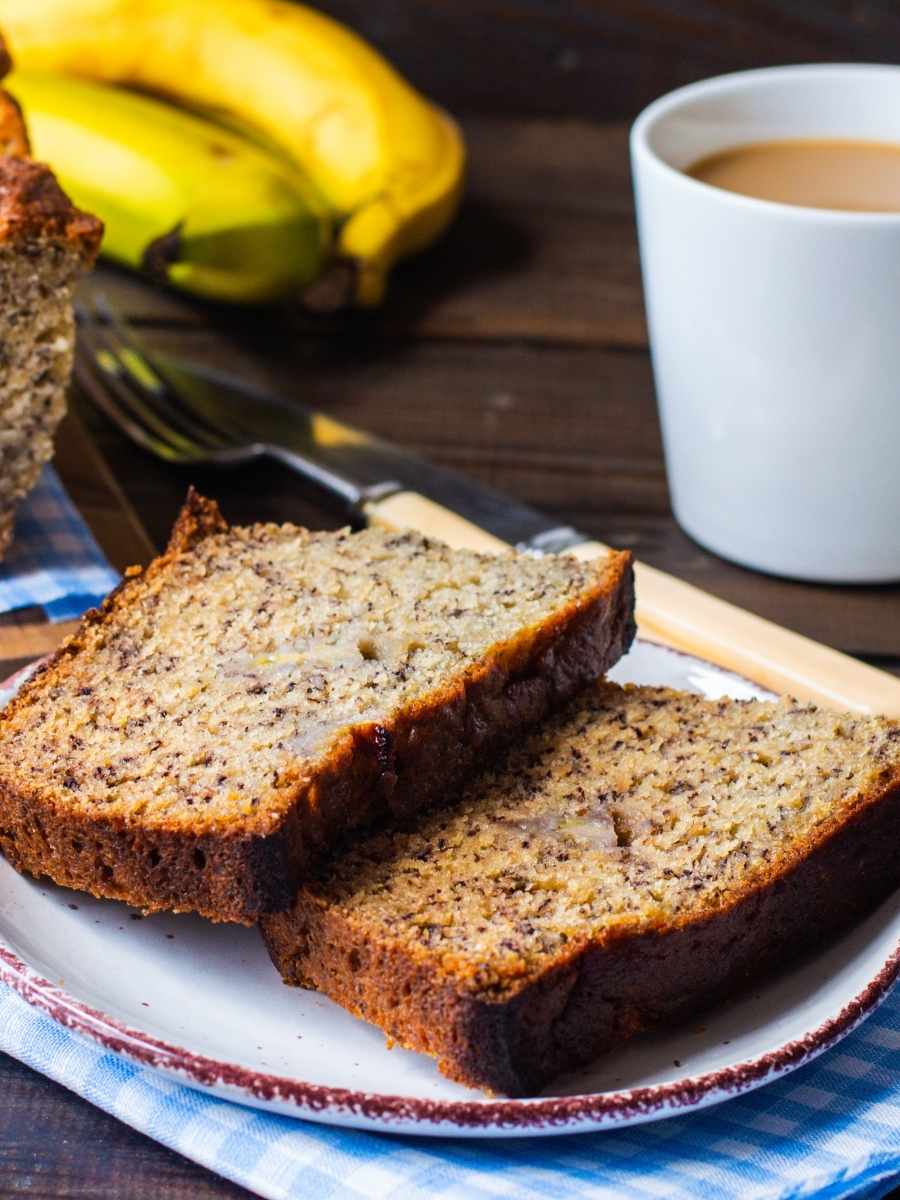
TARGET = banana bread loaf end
(45,244)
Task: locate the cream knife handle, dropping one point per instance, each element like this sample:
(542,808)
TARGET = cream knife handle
(409,510)
(683,616)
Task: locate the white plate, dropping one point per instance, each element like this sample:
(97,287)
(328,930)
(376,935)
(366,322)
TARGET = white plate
(202,1004)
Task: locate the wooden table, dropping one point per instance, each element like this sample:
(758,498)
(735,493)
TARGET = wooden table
(516,351)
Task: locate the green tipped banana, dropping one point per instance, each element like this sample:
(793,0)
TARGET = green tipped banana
(181,197)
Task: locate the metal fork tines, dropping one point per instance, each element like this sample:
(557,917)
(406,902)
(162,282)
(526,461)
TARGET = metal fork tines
(187,413)
(136,392)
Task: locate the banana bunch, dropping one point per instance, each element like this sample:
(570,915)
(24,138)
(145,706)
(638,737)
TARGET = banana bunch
(388,165)
(193,204)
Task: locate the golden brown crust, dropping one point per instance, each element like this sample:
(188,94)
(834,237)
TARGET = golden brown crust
(34,206)
(199,518)
(372,771)
(13,134)
(598,992)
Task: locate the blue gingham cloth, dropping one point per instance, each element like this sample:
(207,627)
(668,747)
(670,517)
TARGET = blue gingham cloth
(53,561)
(830,1129)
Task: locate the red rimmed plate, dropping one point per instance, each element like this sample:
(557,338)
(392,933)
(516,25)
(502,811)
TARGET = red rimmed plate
(202,1004)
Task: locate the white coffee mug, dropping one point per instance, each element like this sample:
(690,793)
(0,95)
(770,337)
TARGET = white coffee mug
(775,330)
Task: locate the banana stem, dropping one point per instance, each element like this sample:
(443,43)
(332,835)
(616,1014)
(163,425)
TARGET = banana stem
(162,252)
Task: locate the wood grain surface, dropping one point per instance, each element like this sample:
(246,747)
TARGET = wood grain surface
(516,350)
(608,58)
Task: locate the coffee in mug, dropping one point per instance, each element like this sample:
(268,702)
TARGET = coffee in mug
(845,174)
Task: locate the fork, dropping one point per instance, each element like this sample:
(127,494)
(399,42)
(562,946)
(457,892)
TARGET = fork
(194,416)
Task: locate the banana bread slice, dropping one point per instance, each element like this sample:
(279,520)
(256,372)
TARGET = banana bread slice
(45,244)
(256,692)
(641,855)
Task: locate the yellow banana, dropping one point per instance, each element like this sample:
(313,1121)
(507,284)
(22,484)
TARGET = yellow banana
(195,204)
(389,163)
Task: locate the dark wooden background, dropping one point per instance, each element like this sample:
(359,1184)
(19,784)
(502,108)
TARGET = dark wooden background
(515,350)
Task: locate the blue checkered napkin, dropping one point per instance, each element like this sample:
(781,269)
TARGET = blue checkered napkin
(831,1129)
(53,561)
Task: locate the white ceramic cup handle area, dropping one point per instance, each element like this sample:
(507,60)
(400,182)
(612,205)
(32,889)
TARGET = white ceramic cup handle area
(774,330)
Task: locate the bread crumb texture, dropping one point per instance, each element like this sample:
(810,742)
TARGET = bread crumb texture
(638,808)
(227,672)
(36,341)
